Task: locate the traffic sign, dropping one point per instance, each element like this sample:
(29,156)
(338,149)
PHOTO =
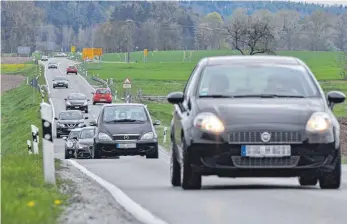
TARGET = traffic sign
(127,84)
(145,52)
(97,51)
(73,49)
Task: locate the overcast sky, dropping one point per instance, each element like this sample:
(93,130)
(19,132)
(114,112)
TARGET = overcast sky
(339,2)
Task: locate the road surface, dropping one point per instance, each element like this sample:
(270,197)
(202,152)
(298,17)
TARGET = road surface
(222,200)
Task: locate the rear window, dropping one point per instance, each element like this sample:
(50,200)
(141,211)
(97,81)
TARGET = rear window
(71,66)
(103,91)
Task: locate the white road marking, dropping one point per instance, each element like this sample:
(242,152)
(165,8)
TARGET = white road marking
(140,213)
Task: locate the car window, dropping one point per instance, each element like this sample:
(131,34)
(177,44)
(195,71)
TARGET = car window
(232,80)
(77,97)
(89,133)
(71,115)
(121,112)
(103,91)
(74,134)
(71,66)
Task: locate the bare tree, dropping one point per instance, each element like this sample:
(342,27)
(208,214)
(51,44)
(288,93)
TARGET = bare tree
(250,34)
(288,28)
(341,32)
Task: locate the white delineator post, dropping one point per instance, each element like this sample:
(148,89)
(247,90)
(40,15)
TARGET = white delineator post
(47,143)
(29,147)
(165,132)
(34,133)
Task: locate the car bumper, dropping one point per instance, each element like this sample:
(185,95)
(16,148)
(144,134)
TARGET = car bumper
(84,152)
(110,148)
(60,85)
(70,151)
(226,160)
(102,100)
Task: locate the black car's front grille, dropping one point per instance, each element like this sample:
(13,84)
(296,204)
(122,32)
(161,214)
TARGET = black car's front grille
(125,137)
(246,162)
(255,137)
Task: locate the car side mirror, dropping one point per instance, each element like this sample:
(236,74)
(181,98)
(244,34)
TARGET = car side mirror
(157,122)
(335,97)
(65,138)
(85,117)
(93,123)
(88,99)
(74,138)
(55,118)
(175,98)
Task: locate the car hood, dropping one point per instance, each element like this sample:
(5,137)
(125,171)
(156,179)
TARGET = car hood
(262,111)
(71,121)
(77,101)
(87,141)
(127,128)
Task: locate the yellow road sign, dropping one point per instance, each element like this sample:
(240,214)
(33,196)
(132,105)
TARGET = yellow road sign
(145,52)
(87,53)
(73,49)
(97,51)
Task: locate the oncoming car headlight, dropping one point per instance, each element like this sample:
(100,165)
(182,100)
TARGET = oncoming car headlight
(209,122)
(103,136)
(69,144)
(148,135)
(81,125)
(68,103)
(318,122)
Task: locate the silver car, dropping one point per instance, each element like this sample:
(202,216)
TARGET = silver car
(70,142)
(84,145)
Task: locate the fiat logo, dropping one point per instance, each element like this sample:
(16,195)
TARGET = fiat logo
(265,136)
(126,137)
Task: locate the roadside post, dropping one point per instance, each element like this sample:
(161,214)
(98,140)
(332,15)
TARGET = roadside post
(47,143)
(34,133)
(165,132)
(127,89)
(30,151)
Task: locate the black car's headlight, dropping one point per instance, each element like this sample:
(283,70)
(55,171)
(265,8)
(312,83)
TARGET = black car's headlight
(209,122)
(69,144)
(81,125)
(148,136)
(68,103)
(319,122)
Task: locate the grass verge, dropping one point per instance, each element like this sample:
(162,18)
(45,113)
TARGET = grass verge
(26,198)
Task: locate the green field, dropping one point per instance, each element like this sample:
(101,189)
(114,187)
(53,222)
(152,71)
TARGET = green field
(166,72)
(26,198)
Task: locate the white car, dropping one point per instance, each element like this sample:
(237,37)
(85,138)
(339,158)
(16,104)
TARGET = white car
(60,54)
(44,58)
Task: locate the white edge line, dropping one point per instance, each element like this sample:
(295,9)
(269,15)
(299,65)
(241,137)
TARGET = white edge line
(136,210)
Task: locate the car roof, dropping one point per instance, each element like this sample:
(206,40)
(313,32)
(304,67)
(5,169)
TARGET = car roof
(251,59)
(88,128)
(76,129)
(70,111)
(74,94)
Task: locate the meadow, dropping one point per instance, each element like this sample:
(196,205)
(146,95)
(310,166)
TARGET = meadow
(25,196)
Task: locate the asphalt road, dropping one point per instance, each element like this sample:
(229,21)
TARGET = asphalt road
(222,200)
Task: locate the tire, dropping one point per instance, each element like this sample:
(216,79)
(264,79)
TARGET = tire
(67,156)
(58,135)
(96,154)
(332,180)
(175,169)
(86,111)
(94,103)
(153,155)
(67,87)
(308,180)
(189,178)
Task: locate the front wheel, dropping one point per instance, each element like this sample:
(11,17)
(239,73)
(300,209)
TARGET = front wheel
(94,103)
(332,179)
(58,135)
(153,155)
(95,154)
(86,111)
(308,180)
(67,156)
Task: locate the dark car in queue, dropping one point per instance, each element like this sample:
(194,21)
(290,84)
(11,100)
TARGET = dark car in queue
(125,129)
(68,120)
(255,116)
(70,143)
(84,146)
(76,101)
(60,81)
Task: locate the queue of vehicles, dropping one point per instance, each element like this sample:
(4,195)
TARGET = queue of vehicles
(238,116)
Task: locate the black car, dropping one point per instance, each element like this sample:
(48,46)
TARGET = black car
(125,129)
(76,101)
(84,146)
(69,120)
(255,116)
(70,144)
(52,65)
(60,81)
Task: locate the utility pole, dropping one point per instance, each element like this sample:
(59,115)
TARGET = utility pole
(129,39)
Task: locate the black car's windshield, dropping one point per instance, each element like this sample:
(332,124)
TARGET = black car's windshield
(77,97)
(74,134)
(88,133)
(125,113)
(60,78)
(265,81)
(71,115)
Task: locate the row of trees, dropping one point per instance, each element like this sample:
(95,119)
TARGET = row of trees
(167,26)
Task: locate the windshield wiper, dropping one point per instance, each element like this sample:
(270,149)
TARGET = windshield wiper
(123,120)
(268,96)
(215,96)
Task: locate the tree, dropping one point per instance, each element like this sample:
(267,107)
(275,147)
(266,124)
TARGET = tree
(341,32)
(342,62)
(288,29)
(251,34)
